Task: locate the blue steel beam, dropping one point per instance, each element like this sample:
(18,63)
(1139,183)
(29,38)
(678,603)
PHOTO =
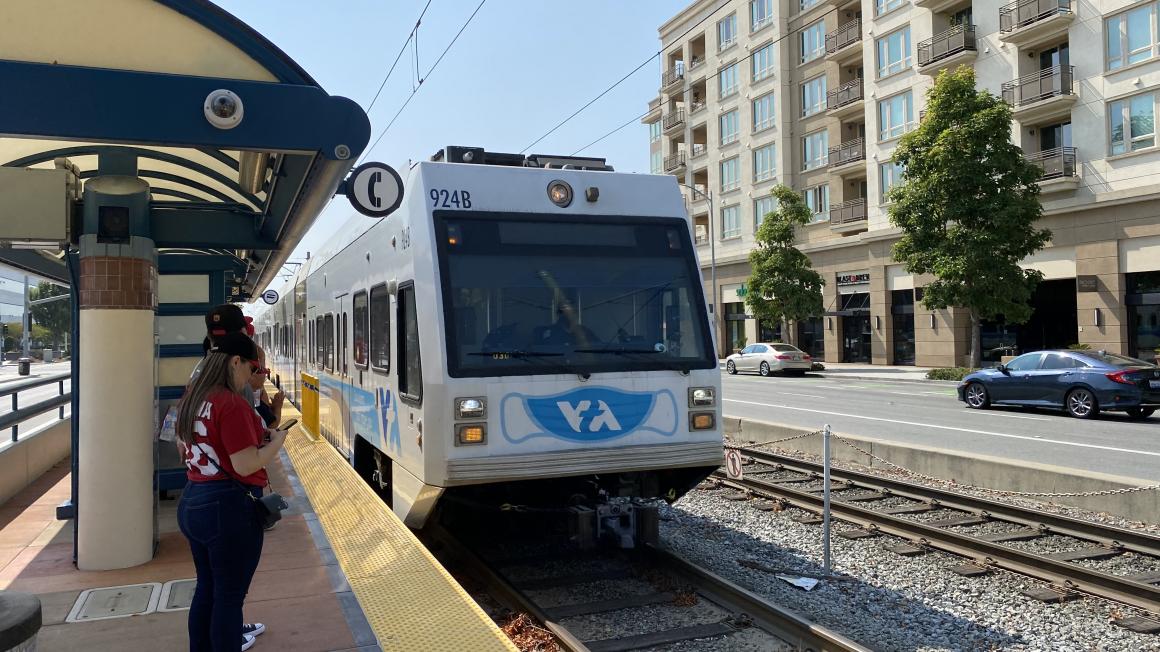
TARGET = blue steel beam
(207,229)
(120,106)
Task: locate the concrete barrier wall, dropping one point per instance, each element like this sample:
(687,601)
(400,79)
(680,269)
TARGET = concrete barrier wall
(976,470)
(30,457)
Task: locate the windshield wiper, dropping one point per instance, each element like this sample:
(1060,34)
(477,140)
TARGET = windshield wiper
(515,353)
(612,350)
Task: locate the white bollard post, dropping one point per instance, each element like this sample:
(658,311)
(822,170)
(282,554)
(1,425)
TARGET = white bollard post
(826,499)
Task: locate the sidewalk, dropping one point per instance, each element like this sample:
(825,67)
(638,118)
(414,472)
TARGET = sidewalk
(9,371)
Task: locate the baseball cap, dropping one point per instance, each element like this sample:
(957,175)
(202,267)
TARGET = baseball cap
(235,344)
(226,318)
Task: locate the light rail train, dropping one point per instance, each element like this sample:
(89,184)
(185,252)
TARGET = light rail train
(525,331)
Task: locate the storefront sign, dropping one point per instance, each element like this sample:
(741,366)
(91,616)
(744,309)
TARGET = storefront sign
(1087,283)
(854,279)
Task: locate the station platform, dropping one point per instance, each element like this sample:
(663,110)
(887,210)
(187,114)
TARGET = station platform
(339,572)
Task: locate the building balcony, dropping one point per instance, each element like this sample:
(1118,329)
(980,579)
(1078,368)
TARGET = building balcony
(675,163)
(700,149)
(672,77)
(849,216)
(937,6)
(1043,95)
(1031,22)
(840,43)
(955,46)
(697,106)
(696,62)
(848,157)
(845,100)
(1059,169)
(673,120)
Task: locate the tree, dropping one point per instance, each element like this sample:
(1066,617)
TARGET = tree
(967,206)
(56,316)
(782,283)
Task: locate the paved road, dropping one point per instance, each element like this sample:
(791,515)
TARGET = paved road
(28,397)
(931,415)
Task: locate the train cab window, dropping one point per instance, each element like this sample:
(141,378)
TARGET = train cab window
(328,341)
(380,328)
(410,367)
(359,310)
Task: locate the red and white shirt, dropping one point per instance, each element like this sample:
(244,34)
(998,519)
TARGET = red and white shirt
(225,424)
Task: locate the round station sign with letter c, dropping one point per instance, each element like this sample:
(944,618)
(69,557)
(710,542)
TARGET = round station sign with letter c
(374,189)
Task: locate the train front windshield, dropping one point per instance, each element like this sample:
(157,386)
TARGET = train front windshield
(536,295)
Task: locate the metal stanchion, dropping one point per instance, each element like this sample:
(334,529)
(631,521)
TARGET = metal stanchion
(826,499)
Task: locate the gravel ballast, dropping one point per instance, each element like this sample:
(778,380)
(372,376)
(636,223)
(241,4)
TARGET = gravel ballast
(885,601)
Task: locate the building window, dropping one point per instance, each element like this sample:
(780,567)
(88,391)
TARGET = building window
(764,162)
(894,52)
(761,208)
(1132,36)
(760,14)
(730,221)
(814,96)
(895,116)
(380,328)
(654,131)
(726,31)
(813,41)
(763,63)
(889,175)
(1133,123)
(884,6)
(815,149)
(727,81)
(730,174)
(763,112)
(806,4)
(656,163)
(729,127)
(818,200)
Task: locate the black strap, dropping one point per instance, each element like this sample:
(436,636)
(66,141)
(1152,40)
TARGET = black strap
(232,479)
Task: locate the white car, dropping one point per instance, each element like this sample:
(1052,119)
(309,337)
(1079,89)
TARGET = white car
(766,359)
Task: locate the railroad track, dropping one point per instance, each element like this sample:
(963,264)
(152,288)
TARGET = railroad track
(787,481)
(733,611)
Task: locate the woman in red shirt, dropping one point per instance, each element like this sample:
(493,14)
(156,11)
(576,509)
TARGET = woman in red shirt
(221,438)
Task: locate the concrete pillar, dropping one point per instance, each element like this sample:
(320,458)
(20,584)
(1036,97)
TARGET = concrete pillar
(118,289)
(880,335)
(832,326)
(1102,260)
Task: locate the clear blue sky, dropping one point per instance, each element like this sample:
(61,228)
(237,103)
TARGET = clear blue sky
(521,67)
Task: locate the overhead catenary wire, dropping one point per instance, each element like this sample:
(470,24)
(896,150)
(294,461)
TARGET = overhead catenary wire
(413,35)
(617,83)
(707,78)
(421,80)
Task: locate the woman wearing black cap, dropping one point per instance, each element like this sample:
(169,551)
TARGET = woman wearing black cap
(221,440)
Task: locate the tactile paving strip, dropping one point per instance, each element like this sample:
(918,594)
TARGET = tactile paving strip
(409,599)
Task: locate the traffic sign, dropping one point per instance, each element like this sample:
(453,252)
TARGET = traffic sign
(733,464)
(374,189)
(270,296)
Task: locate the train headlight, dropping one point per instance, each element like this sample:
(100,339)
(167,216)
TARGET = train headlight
(702,420)
(474,433)
(702,397)
(470,408)
(560,193)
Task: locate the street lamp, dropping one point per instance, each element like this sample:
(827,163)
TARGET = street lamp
(712,247)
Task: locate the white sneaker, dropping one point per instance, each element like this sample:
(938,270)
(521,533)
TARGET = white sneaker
(247,642)
(253,629)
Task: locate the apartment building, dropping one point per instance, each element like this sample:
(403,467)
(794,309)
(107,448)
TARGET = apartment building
(816,94)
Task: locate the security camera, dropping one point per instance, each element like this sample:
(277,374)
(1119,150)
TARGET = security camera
(223,109)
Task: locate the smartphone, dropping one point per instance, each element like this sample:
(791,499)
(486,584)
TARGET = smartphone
(288,424)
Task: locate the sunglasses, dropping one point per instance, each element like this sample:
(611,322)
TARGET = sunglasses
(255,368)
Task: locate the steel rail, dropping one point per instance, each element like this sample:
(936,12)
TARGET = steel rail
(1107,535)
(1065,576)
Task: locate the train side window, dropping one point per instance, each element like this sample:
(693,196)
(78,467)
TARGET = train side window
(380,328)
(343,346)
(310,341)
(410,367)
(319,352)
(359,309)
(328,343)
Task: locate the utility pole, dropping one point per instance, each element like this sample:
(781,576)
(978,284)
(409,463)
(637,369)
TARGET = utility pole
(26,342)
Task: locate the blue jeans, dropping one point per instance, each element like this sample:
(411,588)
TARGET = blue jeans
(225,537)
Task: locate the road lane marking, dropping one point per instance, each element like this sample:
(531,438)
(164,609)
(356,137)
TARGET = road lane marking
(805,395)
(955,428)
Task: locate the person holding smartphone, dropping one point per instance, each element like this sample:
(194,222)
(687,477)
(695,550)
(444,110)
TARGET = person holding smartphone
(220,437)
(270,409)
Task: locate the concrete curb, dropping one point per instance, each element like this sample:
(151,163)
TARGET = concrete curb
(922,381)
(977,470)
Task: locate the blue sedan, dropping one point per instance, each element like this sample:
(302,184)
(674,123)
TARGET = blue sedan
(1081,382)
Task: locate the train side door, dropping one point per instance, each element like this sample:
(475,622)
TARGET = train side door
(342,369)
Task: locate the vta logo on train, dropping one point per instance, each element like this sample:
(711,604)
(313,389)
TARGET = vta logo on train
(587,415)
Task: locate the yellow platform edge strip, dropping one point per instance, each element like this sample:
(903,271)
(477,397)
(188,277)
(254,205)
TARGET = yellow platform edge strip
(410,601)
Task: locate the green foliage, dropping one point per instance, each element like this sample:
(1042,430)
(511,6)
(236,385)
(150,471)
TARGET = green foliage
(1079,347)
(949,373)
(967,205)
(782,283)
(55,317)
